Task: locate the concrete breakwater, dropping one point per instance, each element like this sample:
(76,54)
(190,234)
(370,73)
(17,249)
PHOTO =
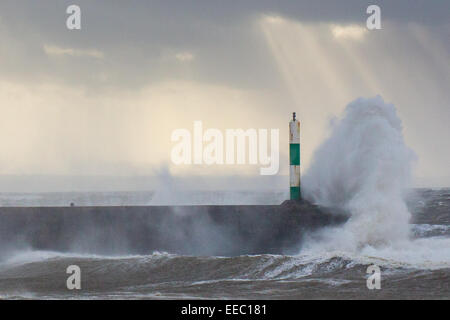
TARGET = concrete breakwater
(190,230)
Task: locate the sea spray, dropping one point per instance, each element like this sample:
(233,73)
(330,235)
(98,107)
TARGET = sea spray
(168,192)
(364,168)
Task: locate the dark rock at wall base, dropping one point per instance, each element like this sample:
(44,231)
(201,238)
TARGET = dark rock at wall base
(189,230)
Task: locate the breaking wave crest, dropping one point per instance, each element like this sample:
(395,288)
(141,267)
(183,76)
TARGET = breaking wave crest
(364,167)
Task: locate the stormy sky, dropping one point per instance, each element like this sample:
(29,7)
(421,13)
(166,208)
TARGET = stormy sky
(104,100)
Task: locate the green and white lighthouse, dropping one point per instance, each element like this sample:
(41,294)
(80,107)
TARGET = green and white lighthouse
(294,158)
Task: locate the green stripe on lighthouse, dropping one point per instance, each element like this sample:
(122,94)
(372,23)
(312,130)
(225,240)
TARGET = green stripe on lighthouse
(294,154)
(295,193)
(294,159)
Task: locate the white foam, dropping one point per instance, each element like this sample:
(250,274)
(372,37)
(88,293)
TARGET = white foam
(364,167)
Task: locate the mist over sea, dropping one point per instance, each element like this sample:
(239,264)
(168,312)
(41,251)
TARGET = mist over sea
(138,198)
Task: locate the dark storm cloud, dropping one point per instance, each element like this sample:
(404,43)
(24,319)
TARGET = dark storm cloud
(140,39)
